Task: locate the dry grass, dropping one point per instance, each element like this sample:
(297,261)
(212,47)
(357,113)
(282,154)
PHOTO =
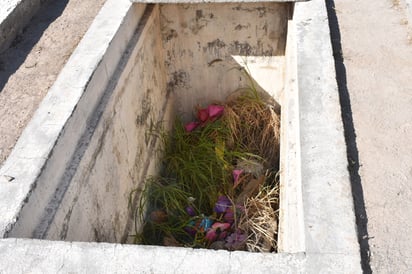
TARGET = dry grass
(260,220)
(256,126)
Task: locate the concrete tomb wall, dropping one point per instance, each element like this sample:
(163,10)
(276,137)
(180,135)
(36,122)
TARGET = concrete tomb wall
(180,56)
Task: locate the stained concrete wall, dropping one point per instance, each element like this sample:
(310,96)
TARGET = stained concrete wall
(206,44)
(120,154)
(178,57)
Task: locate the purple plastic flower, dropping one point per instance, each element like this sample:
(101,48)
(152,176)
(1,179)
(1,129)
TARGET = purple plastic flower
(190,228)
(236,240)
(190,211)
(229,215)
(222,204)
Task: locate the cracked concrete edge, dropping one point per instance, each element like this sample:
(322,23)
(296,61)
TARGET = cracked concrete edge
(48,125)
(14,16)
(329,217)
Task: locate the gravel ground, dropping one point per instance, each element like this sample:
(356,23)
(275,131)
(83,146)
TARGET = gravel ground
(30,66)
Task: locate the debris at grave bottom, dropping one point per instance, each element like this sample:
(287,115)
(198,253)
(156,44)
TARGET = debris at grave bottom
(218,187)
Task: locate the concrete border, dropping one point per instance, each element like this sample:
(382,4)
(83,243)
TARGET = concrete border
(53,134)
(328,223)
(329,218)
(14,16)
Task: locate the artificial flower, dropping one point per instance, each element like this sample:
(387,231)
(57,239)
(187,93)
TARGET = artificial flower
(236,240)
(215,111)
(190,211)
(222,204)
(189,127)
(236,175)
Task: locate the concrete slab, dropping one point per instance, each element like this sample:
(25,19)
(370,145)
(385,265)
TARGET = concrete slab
(327,197)
(36,256)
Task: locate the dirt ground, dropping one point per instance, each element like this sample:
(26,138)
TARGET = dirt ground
(30,66)
(376,41)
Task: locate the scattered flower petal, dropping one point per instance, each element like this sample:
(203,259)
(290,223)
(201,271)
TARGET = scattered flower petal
(215,111)
(203,115)
(222,204)
(206,223)
(236,240)
(189,127)
(190,228)
(229,215)
(223,235)
(211,235)
(158,216)
(236,174)
(191,211)
(221,226)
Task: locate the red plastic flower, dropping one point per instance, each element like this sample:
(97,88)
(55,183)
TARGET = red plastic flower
(202,115)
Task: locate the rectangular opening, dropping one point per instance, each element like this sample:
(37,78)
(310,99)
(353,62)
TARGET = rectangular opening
(184,55)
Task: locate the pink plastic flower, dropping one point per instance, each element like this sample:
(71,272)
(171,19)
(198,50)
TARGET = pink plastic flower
(217,230)
(189,127)
(236,174)
(203,115)
(215,111)
(220,226)
(211,235)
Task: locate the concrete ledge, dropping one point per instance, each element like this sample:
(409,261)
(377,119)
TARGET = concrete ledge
(50,128)
(37,256)
(329,217)
(14,15)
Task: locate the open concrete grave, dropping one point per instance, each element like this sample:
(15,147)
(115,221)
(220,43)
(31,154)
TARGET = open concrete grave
(71,175)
